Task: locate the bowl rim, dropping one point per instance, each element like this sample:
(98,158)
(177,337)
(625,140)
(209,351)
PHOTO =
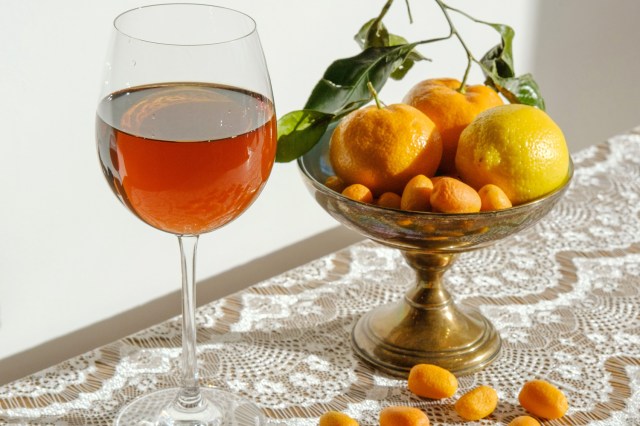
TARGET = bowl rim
(486,214)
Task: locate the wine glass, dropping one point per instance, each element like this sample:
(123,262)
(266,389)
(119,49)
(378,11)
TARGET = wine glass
(186,136)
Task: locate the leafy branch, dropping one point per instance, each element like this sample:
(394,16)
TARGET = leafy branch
(497,63)
(344,85)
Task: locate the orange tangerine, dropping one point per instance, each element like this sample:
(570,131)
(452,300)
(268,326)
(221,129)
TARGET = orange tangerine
(432,381)
(335,183)
(477,403)
(543,399)
(382,148)
(358,192)
(416,194)
(403,416)
(390,200)
(451,109)
(336,418)
(493,198)
(524,421)
(454,196)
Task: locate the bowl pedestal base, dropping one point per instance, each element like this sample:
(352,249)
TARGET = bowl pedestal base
(426,326)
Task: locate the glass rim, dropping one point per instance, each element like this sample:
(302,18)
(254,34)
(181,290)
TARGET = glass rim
(248,33)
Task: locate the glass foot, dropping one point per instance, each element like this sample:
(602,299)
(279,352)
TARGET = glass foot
(220,408)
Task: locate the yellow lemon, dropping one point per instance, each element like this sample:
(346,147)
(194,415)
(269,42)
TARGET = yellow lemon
(516,147)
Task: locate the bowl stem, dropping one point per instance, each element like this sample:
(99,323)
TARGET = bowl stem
(426,326)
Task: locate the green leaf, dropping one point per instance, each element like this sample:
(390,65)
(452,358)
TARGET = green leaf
(521,90)
(342,89)
(374,34)
(413,57)
(299,131)
(345,81)
(497,66)
(499,59)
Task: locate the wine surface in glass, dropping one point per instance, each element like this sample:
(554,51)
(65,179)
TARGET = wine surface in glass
(186,158)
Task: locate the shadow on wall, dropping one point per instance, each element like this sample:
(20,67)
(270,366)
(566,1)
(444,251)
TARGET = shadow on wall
(587,63)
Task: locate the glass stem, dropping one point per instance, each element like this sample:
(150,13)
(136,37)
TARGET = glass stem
(189,397)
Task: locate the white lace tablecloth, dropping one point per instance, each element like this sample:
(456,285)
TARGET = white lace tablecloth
(564,295)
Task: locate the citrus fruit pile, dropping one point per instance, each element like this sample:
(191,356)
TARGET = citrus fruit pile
(448,150)
(539,397)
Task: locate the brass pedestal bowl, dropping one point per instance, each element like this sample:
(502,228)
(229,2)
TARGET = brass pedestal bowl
(425,326)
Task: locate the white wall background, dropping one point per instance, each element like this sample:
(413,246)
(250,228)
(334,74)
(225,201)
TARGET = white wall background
(71,256)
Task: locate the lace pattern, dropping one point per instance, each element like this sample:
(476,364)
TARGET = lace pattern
(564,296)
